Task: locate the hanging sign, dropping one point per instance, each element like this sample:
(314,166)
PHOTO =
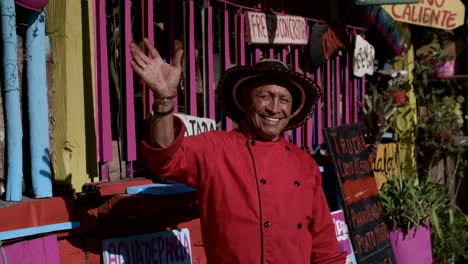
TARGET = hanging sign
(172,247)
(381,2)
(196,125)
(444,14)
(363,57)
(266,28)
(353,166)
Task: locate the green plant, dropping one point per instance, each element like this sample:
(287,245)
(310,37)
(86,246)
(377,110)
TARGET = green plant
(443,119)
(407,202)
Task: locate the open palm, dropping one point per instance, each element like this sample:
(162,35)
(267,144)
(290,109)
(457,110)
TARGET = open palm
(162,78)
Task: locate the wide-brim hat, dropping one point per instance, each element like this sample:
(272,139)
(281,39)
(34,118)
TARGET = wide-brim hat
(237,77)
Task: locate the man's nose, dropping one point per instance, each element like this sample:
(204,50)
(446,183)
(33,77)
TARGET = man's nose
(273,107)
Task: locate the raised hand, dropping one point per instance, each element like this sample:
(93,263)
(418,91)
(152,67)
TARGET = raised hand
(162,78)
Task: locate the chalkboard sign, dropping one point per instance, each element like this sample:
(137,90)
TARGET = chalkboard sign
(354,168)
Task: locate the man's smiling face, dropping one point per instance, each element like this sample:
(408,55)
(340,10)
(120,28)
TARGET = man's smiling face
(267,110)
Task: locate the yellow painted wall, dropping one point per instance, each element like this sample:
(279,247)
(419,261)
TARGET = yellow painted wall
(405,124)
(73,107)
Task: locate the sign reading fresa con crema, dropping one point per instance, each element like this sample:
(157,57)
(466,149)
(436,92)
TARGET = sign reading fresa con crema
(266,28)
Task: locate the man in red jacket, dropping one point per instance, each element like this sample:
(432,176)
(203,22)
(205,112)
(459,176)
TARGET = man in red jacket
(260,196)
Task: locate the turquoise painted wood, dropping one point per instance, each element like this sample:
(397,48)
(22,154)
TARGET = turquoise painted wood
(36,46)
(13,123)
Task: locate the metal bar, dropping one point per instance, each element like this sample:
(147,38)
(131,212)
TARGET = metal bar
(328,101)
(36,46)
(296,68)
(319,109)
(346,107)
(242,38)
(227,57)
(211,84)
(171,31)
(338,111)
(130,139)
(103,109)
(13,123)
(150,36)
(191,56)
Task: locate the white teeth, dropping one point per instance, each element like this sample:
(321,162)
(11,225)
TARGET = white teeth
(272,119)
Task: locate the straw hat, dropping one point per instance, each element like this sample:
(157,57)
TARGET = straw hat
(305,92)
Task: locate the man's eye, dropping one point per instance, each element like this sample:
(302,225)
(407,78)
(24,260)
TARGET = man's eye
(284,101)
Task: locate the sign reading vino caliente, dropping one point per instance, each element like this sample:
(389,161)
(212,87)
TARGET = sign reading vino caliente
(354,168)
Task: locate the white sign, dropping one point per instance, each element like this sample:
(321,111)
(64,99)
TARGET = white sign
(363,57)
(197,125)
(171,247)
(276,29)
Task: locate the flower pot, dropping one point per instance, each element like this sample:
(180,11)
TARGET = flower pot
(37,5)
(400,97)
(443,69)
(413,247)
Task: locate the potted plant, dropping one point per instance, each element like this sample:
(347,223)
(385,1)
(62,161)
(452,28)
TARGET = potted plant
(442,119)
(408,205)
(442,63)
(395,84)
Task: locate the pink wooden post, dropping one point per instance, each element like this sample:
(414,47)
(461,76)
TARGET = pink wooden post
(191,59)
(150,33)
(171,32)
(296,68)
(338,91)
(309,126)
(318,79)
(328,101)
(272,53)
(346,108)
(285,61)
(104,135)
(227,57)
(129,96)
(242,38)
(210,63)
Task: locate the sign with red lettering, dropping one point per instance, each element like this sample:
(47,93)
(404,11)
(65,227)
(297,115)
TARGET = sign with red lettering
(172,247)
(381,2)
(196,125)
(354,168)
(266,28)
(342,235)
(444,14)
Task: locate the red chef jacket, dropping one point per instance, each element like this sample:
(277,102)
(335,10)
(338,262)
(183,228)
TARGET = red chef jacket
(260,202)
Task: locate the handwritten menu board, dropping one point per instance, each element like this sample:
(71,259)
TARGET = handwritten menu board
(354,167)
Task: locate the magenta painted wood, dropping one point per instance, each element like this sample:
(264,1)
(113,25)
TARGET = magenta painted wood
(42,250)
(271,53)
(97,81)
(319,109)
(355,100)
(285,61)
(210,63)
(328,101)
(296,68)
(150,33)
(191,60)
(347,94)
(363,91)
(309,126)
(104,171)
(242,39)
(257,55)
(227,57)
(171,32)
(338,91)
(129,96)
(103,115)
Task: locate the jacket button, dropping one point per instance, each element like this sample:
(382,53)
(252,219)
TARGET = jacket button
(267,224)
(263,181)
(297,183)
(252,142)
(299,226)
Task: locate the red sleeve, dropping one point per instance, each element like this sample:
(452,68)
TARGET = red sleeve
(180,161)
(325,248)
